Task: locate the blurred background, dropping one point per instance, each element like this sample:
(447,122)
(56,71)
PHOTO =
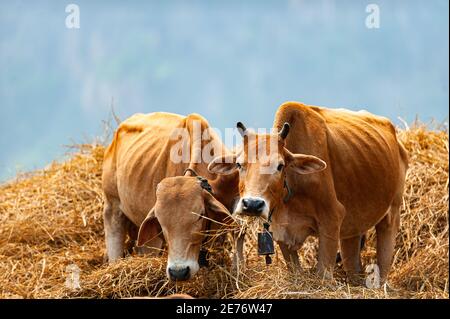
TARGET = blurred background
(227,60)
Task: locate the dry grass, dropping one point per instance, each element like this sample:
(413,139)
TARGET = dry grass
(52,218)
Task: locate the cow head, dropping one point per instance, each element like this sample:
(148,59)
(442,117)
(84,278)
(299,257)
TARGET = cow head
(181,212)
(262,164)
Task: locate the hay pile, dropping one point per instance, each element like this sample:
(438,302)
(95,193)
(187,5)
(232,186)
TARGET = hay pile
(51,227)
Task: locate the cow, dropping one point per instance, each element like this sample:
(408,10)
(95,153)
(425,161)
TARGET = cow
(330,173)
(152,191)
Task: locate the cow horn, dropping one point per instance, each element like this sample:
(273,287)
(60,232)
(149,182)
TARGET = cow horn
(241,128)
(285,130)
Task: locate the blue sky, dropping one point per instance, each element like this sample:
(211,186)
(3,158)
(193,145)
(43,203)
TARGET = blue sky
(228,60)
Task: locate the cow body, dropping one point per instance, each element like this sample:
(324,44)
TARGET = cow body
(139,158)
(366,164)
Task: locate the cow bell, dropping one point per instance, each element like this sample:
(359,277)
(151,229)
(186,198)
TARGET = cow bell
(265,244)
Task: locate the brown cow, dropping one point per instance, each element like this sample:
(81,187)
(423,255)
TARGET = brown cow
(331,173)
(150,150)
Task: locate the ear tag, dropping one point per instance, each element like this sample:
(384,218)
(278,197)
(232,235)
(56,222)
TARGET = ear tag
(203,258)
(265,244)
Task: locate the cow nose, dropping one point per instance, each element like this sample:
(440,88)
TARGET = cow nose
(253,205)
(179,273)
(245,203)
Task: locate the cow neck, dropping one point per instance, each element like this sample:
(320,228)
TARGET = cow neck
(286,199)
(226,189)
(289,192)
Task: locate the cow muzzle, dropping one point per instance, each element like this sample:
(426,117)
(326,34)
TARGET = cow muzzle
(179,273)
(252,206)
(180,270)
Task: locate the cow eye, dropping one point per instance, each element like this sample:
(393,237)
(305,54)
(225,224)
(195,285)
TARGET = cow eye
(238,165)
(280,167)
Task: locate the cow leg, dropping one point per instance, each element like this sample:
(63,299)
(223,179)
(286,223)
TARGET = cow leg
(328,247)
(238,254)
(351,259)
(115,229)
(133,232)
(290,256)
(329,220)
(387,230)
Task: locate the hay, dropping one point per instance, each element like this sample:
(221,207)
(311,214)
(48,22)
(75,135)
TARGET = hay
(51,220)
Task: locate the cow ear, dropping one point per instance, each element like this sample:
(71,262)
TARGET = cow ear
(304,164)
(223,165)
(213,205)
(150,229)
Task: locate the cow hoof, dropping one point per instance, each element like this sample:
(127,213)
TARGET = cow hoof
(325,274)
(355,279)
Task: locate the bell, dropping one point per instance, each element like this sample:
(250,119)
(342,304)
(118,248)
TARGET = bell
(265,243)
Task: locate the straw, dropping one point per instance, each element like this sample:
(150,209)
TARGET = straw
(51,235)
